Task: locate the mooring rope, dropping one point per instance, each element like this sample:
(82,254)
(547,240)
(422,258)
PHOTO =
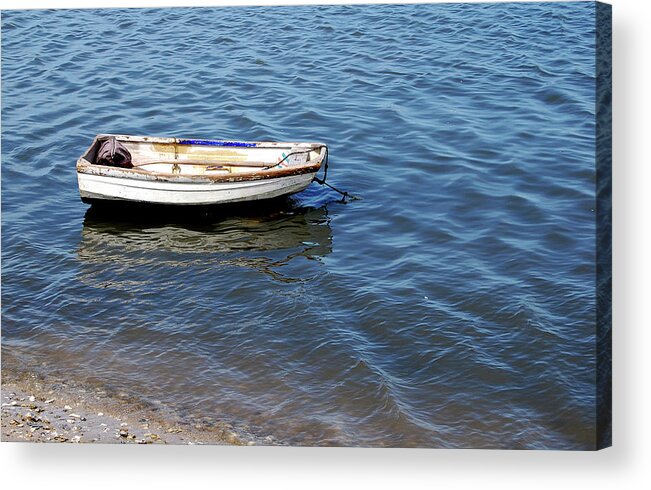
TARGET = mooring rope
(323,181)
(325,172)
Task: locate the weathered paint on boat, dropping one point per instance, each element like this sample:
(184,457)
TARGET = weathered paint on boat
(199,172)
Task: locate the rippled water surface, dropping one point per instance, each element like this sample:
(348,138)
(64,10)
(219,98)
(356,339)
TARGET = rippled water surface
(453,306)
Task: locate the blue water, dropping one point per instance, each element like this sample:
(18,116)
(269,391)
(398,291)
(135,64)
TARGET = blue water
(452,306)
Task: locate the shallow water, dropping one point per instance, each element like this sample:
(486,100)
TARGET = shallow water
(453,306)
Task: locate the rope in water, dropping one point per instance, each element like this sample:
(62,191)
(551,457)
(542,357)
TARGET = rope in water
(325,175)
(325,172)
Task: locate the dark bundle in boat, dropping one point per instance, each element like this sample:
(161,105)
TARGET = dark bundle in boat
(113,154)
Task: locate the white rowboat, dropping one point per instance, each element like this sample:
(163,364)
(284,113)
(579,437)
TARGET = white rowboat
(198,172)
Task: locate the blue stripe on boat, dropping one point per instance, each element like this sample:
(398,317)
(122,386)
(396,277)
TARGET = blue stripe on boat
(217,143)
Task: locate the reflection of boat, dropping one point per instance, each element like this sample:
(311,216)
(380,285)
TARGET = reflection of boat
(254,240)
(195,172)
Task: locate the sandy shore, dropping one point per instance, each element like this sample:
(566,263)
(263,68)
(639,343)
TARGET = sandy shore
(35,409)
(34,418)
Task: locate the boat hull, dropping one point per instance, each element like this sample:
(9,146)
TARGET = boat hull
(176,171)
(93,188)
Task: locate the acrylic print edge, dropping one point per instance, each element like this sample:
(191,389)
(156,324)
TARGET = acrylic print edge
(603,159)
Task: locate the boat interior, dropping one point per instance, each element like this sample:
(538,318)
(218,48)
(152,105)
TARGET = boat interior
(207,157)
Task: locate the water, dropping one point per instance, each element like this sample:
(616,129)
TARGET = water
(453,306)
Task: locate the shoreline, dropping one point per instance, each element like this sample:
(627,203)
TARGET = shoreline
(27,417)
(35,408)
